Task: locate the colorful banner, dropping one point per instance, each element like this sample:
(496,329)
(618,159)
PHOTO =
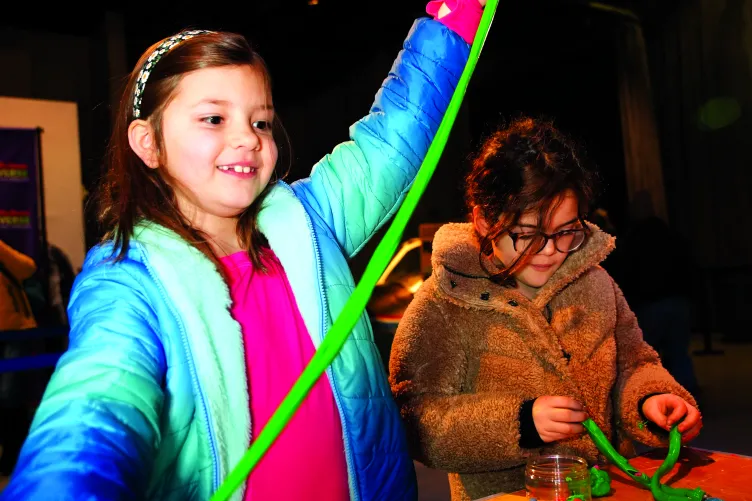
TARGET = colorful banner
(19,195)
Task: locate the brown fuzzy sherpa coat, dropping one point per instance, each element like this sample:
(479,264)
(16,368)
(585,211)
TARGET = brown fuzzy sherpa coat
(469,352)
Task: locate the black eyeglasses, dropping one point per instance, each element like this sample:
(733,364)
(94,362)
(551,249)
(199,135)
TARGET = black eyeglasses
(566,241)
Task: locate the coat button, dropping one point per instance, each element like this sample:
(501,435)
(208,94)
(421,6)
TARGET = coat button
(513,303)
(485,296)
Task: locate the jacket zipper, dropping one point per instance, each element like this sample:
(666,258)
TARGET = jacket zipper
(354,494)
(194,378)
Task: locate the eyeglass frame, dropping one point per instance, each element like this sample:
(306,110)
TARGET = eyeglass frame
(554,236)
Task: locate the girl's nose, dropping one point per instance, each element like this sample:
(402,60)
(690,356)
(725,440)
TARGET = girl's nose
(245,137)
(549,249)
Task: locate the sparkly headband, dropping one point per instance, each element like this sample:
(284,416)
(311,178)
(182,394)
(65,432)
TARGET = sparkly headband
(153,59)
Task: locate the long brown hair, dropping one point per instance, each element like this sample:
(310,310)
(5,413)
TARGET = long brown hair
(132,192)
(525,167)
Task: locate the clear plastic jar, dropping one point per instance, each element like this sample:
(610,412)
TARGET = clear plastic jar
(557,478)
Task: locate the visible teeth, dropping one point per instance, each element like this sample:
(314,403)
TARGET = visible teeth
(237,168)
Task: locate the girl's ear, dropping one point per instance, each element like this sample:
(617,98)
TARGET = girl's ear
(480,223)
(142,141)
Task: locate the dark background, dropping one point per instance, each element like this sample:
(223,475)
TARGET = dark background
(556,58)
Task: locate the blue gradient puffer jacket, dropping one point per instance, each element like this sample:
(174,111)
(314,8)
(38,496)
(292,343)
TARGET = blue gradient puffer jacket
(151,402)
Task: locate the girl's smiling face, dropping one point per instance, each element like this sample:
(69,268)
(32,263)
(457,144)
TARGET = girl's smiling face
(564,225)
(218,144)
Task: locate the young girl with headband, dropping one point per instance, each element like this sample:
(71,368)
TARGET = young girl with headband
(216,283)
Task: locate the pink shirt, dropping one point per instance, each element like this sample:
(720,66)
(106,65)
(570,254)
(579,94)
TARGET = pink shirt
(308,459)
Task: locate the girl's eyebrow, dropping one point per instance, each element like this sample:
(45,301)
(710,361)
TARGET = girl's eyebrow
(575,220)
(219,102)
(560,226)
(223,102)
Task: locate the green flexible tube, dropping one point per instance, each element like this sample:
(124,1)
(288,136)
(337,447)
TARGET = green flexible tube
(356,304)
(660,492)
(663,492)
(604,445)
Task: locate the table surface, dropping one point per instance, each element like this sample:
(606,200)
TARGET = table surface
(721,475)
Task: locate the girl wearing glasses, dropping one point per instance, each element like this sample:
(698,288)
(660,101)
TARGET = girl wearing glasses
(519,334)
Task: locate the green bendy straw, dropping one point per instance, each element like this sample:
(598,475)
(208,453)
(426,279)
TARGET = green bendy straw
(356,304)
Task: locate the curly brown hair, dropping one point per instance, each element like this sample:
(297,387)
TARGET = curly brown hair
(521,168)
